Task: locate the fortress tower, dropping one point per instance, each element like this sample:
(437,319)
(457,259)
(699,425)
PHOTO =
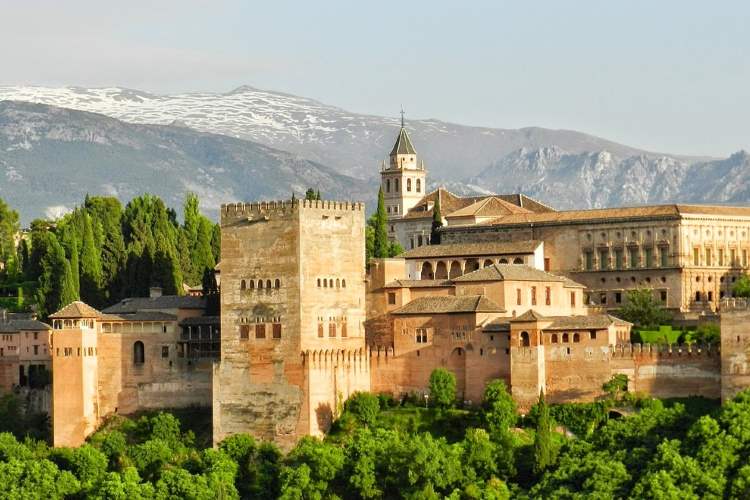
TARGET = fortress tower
(404,178)
(292,302)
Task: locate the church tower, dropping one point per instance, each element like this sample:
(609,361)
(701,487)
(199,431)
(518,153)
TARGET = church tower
(403,179)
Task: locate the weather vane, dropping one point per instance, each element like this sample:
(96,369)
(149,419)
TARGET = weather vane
(402,116)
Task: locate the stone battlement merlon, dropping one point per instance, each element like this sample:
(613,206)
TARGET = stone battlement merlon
(264,207)
(334,356)
(627,351)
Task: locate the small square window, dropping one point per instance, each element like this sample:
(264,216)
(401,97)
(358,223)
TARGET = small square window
(391,298)
(244,332)
(277,330)
(165,351)
(260,331)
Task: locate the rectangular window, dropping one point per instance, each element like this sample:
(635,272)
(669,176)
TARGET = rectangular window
(733,257)
(603,299)
(421,336)
(593,335)
(663,296)
(343,329)
(664,256)
(589,260)
(533,295)
(649,257)
(260,331)
(518,296)
(633,257)
(604,259)
(276,330)
(165,351)
(710,296)
(708,257)
(546,264)
(391,298)
(320,330)
(618,258)
(36,335)
(548,296)
(697,296)
(572,299)
(36,349)
(721,256)
(618,297)
(331,329)
(244,332)
(696,257)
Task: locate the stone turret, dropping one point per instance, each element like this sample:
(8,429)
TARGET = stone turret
(404,178)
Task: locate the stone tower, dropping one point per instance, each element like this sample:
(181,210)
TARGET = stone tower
(292,304)
(403,179)
(735,346)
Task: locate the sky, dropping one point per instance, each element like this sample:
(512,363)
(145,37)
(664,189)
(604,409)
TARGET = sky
(667,76)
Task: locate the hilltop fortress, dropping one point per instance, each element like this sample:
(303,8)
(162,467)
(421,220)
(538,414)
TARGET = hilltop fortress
(516,291)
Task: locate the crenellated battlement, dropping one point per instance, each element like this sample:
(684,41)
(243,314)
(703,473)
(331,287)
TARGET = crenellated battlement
(285,207)
(334,357)
(627,351)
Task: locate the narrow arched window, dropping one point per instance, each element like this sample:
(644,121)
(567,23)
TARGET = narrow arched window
(139,356)
(243,285)
(260,284)
(565,338)
(268,283)
(343,283)
(252,284)
(554,338)
(318,282)
(325,283)
(408,184)
(338,283)
(524,339)
(576,337)
(277,284)
(387,185)
(395,183)
(330,283)
(419,185)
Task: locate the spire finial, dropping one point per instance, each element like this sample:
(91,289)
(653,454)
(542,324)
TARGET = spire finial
(402,116)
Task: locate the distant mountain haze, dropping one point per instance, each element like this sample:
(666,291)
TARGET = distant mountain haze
(331,149)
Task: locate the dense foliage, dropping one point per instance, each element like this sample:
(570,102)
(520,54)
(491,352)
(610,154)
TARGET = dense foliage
(673,449)
(643,310)
(377,244)
(102,251)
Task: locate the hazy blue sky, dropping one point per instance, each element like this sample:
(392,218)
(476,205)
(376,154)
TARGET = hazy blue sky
(670,76)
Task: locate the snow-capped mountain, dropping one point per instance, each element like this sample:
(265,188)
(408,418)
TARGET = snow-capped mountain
(354,144)
(50,158)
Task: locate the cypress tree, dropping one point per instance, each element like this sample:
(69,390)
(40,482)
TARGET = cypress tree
(203,257)
(380,243)
(310,194)
(106,217)
(543,452)
(75,266)
(55,284)
(216,242)
(437,222)
(91,266)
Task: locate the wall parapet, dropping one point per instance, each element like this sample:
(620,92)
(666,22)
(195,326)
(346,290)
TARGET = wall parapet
(664,350)
(263,207)
(729,304)
(331,357)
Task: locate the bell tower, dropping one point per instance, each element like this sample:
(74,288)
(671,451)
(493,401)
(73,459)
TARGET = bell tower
(403,178)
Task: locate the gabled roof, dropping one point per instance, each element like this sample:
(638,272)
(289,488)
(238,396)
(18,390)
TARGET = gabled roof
(76,310)
(579,322)
(489,207)
(18,325)
(450,203)
(530,315)
(403,144)
(509,272)
(448,304)
(139,316)
(136,304)
(487,248)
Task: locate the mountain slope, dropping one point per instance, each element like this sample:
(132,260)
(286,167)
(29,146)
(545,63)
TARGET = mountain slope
(602,179)
(354,144)
(51,157)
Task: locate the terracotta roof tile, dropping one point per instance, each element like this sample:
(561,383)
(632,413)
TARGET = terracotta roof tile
(418,284)
(509,272)
(75,310)
(447,304)
(488,207)
(136,304)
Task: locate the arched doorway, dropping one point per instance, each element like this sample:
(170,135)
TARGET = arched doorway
(525,339)
(472,265)
(427,272)
(455,269)
(441,271)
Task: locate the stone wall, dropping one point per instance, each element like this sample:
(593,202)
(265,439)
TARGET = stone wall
(735,347)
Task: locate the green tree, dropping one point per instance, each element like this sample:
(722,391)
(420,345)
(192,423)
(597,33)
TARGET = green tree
(741,287)
(616,386)
(642,309)
(9,228)
(91,266)
(314,466)
(106,218)
(499,408)
(443,388)
(55,283)
(543,450)
(437,223)
(311,194)
(365,406)
(380,245)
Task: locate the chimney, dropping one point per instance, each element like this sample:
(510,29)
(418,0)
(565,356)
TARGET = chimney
(154,292)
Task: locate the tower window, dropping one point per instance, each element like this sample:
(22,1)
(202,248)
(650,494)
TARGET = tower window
(277,330)
(260,331)
(139,356)
(408,185)
(419,185)
(331,329)
(395,183)
(387,185)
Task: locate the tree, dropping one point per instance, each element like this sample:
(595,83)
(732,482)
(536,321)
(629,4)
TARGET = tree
(617,385)
(380,245)
(91,265)
(543,452)
(499,408)
(443,388)
(741,288)
(642,309)
(365,406)
(312,195)
(437,223)
(55,283)
(9,228)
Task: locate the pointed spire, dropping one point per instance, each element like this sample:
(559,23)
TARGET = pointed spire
(402,116)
